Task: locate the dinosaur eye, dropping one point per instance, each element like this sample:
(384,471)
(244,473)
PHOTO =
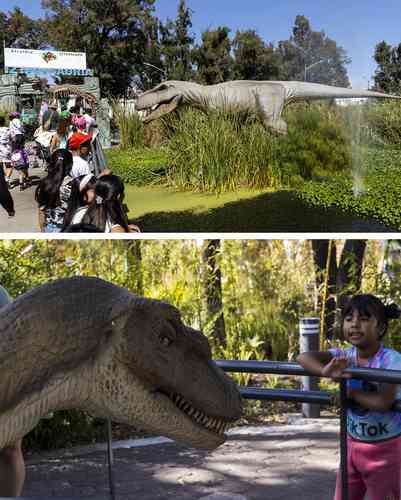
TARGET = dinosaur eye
(165,341)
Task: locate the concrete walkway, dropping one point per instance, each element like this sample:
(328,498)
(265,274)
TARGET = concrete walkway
(296,461)
(26,210)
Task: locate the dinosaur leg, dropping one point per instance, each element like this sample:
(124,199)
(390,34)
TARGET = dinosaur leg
(270,106)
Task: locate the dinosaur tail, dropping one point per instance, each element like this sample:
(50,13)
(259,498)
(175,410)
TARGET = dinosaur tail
(318,91)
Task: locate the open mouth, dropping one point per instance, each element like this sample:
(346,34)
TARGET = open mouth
(355,336)
(161,109)
(213,424)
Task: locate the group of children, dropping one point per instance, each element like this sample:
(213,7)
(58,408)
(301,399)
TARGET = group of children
(69,185)
(12,150)
(70,198)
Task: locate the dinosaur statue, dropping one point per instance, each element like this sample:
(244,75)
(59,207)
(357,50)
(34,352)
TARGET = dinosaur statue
(87,344)
(265,98)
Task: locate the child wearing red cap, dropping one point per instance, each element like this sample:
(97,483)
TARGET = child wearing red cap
(79,145)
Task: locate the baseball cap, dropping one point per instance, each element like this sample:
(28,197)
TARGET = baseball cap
(77,139)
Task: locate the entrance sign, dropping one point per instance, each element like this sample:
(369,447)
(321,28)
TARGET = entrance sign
(45,61)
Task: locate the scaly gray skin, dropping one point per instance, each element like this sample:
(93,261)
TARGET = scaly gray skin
(265,98)
(87,344)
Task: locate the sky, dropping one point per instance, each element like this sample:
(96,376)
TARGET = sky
(356,25)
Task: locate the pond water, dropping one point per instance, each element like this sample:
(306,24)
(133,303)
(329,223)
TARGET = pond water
(160,209)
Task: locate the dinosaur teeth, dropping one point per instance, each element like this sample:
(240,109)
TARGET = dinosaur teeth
(212,424)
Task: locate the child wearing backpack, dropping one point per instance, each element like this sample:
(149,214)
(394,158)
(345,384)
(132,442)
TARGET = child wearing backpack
(20,161)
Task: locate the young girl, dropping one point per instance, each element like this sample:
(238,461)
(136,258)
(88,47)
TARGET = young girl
(6,200)
(374,429)
(53,192)
(106,210)
(20,161)
(60,138)
(82,193)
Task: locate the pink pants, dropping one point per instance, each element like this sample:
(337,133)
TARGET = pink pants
(373,468)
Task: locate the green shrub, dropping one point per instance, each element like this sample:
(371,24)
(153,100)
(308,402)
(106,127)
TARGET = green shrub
(138,166)
(317,143)
(65,429)
(129,125)
(380,195)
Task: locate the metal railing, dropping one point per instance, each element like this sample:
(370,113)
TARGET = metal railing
(315,397)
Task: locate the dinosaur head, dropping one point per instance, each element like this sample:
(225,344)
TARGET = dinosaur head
(88,344)
(161,100)
(179,390)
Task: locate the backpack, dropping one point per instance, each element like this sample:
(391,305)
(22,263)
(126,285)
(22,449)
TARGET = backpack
(19,159)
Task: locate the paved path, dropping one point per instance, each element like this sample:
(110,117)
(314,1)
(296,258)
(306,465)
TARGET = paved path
(26,212)
(288,462)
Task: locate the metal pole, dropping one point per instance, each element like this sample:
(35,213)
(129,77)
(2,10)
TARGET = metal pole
(343,441)
(309,330)
(110,461)
(261,394)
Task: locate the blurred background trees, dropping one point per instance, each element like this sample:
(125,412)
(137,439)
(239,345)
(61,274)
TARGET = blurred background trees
(128,46)
(246,295)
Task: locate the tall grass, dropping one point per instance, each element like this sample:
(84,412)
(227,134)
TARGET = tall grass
(129,125)
(383,122)
(221,150)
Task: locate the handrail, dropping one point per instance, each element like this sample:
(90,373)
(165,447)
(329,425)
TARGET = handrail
(317,397)
(290,368)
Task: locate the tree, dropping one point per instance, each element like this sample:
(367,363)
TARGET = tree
(20,31)
(176,45)
(114,34)
(336,283)
(253,58)
(388,73)
(307,47)
(133,259)
(213,57)
(213,290)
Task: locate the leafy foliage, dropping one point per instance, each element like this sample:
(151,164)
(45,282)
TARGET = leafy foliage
(388,72)
(140,167)
(324,60)
(213,57)
(19,30)
(254,59)
(176,43)
(380,196)
(115,36)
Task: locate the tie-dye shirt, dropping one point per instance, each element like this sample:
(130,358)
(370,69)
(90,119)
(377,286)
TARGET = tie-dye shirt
(368,425)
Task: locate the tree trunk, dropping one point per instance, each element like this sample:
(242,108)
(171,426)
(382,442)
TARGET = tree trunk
(133,260)
(349,275)
(325,260)
(213,290)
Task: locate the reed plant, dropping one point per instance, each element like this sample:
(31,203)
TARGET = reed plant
(223,150)
(129,125)
(383,122)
